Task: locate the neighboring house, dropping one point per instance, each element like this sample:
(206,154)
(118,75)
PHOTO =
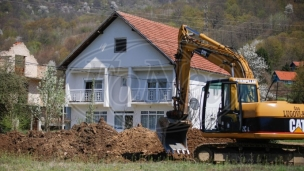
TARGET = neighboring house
(286,77)
(296,64)
(24,63)
(131,60)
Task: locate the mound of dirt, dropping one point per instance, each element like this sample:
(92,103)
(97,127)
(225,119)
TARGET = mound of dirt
(195,138)
(136,140)
(84,141)
(93,142)
(6,141)
(91,138)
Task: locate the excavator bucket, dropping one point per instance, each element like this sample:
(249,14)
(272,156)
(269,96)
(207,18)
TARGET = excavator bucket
(173,135)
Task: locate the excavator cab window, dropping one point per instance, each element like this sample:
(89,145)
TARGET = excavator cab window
(222,112)
(248,93)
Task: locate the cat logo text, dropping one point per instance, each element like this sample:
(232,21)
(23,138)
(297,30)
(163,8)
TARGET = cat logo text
(296,125)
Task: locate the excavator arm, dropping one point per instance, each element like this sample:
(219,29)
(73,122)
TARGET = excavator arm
(191,41)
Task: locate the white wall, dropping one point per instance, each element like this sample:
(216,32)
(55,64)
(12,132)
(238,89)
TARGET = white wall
(77,80)
(100,53)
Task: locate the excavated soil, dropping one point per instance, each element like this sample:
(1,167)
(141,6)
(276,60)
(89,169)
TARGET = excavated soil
(87,142)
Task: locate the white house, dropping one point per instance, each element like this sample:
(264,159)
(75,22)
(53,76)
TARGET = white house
(131,60)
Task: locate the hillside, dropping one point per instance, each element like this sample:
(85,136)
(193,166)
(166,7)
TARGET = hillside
(51,29)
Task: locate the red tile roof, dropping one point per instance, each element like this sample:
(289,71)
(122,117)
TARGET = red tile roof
(164,37)
(298,63)
(286,75)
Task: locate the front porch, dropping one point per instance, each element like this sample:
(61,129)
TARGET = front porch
(85,95)
(138,95)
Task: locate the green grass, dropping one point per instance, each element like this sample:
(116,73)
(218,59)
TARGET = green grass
(26,163)
(295,141)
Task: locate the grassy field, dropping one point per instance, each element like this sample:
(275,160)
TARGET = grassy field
(291,141)
(24,163)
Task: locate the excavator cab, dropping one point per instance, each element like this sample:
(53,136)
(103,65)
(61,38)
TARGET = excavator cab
(222,104)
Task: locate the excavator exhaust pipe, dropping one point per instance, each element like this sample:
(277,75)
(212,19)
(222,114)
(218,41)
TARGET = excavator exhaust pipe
(173,135)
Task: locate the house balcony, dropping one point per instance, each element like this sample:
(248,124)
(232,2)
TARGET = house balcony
(85,95)
(151,95)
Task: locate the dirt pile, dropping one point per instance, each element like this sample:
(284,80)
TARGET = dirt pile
(195,138)
(136,140)
(92,141)
(84,141)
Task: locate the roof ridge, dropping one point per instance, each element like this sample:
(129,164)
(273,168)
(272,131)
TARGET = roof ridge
(120,12)
(282,71)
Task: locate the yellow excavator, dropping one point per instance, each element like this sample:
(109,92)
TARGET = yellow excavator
(230,108)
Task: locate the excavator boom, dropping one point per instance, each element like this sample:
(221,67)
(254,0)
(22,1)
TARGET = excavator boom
(221,55)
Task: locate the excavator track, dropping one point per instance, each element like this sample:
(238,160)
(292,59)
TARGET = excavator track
(252,153)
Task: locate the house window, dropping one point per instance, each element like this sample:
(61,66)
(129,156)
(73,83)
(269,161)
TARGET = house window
(19,64)
(100,114)
(123,119)
(98,96)
(97,115)
(124,82)
(157,89)
(149,118)
(120,45)
(89,84)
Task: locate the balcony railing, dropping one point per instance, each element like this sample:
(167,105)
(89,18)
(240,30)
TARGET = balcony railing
(151,95)
(81,95)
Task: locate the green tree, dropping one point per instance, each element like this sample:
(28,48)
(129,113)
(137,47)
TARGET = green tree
(13,95)
(286,67)
(263,53)
(297,87)
(51,89)
(233,10)
(275,50)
